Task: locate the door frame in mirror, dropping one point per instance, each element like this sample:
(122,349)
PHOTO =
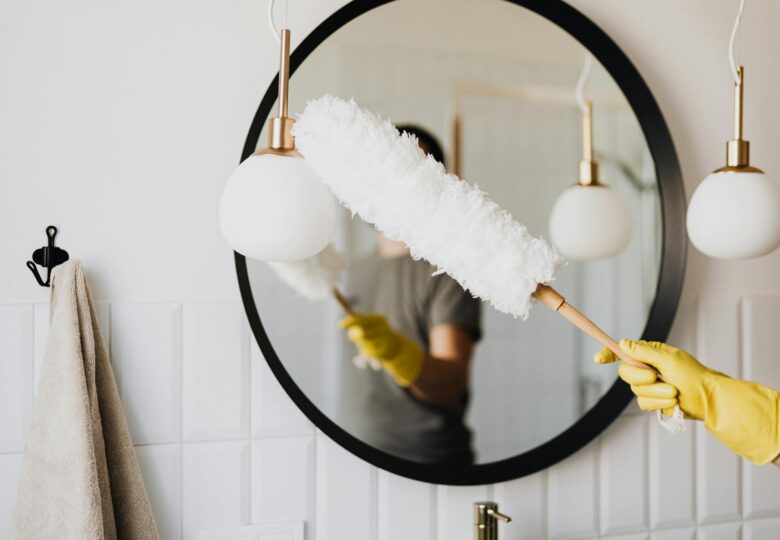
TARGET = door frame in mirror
(662,312)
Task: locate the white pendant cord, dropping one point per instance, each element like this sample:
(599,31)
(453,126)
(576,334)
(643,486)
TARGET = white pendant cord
(733,38)
(583,80)
(272,24)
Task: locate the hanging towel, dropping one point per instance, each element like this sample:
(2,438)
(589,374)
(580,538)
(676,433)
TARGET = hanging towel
(80,479)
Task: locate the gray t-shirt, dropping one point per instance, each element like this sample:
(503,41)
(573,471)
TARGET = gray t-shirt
(413,300)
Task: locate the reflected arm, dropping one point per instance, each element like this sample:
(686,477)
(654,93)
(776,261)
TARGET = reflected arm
(443,379)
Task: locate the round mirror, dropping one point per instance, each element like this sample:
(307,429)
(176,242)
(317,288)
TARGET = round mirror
(488,88)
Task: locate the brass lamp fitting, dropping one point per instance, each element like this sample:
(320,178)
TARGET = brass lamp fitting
(589,168)
(738,149)
(280,139)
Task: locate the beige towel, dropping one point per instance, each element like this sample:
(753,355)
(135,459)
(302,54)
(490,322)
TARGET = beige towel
(80,479)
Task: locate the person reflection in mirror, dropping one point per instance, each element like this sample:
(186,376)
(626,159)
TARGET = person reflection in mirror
(421,328)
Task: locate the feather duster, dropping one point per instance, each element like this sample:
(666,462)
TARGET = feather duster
(389,181)
(314,278)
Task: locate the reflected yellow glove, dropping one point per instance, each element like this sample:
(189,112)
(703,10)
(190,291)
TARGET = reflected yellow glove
(742,415)
(399,355)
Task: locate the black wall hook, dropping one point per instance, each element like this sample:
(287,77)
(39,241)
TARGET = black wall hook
(48,256)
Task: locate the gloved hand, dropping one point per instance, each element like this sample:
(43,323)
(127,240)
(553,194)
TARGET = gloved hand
(742,415)
(399,355)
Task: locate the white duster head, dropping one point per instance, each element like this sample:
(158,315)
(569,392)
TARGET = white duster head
(386,178)
(313,278)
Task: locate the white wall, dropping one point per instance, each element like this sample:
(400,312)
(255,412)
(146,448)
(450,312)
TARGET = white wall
(119,124)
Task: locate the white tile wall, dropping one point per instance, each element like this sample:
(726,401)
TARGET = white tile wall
(721,531)
(146,353)
(16,375)
(283,479)
(293,530)
(623,464)
(221,445)
(161,467)
(273,413)
(525,500)
(415,501)
(10,467)
(768,529)
(676,534)
(760,495)
(638,536)
(345,494)
(455,511)
(717,469)
(572,496)
(215,372)
(671,475)
(215,486)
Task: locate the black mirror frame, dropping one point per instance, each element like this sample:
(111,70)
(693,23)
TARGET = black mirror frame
(662,312)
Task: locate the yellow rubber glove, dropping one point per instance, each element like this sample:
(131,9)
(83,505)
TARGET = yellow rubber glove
(742,415)
(399,355)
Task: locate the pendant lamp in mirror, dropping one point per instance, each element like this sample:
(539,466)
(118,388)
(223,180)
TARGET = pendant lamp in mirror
(589,220)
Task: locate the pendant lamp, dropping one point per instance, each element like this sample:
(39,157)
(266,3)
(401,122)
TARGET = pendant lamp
(735,211)
(274,207)
(589,220)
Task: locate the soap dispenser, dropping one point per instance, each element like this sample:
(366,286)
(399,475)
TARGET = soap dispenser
(486,516)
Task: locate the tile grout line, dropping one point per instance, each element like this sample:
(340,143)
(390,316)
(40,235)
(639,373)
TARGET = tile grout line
(597,486)
(250,442)
(33,387)
(312,527)
(375,505)
(437,514)
(545,502)
(546,513)
(652,484)
(695,446)
(181,420)
(646,464)
(374,479)
(741,345)
(434,498)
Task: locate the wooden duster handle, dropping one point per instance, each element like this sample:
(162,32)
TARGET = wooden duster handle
(342,302)
(553,300)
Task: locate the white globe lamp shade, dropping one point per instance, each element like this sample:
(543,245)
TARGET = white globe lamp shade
(275,208)
(735,211)
(589,222)
(735,215)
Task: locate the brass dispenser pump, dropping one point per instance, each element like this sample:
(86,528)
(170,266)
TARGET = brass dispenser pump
(486,516)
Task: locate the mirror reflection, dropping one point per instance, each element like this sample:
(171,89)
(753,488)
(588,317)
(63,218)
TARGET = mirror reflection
(488,89)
